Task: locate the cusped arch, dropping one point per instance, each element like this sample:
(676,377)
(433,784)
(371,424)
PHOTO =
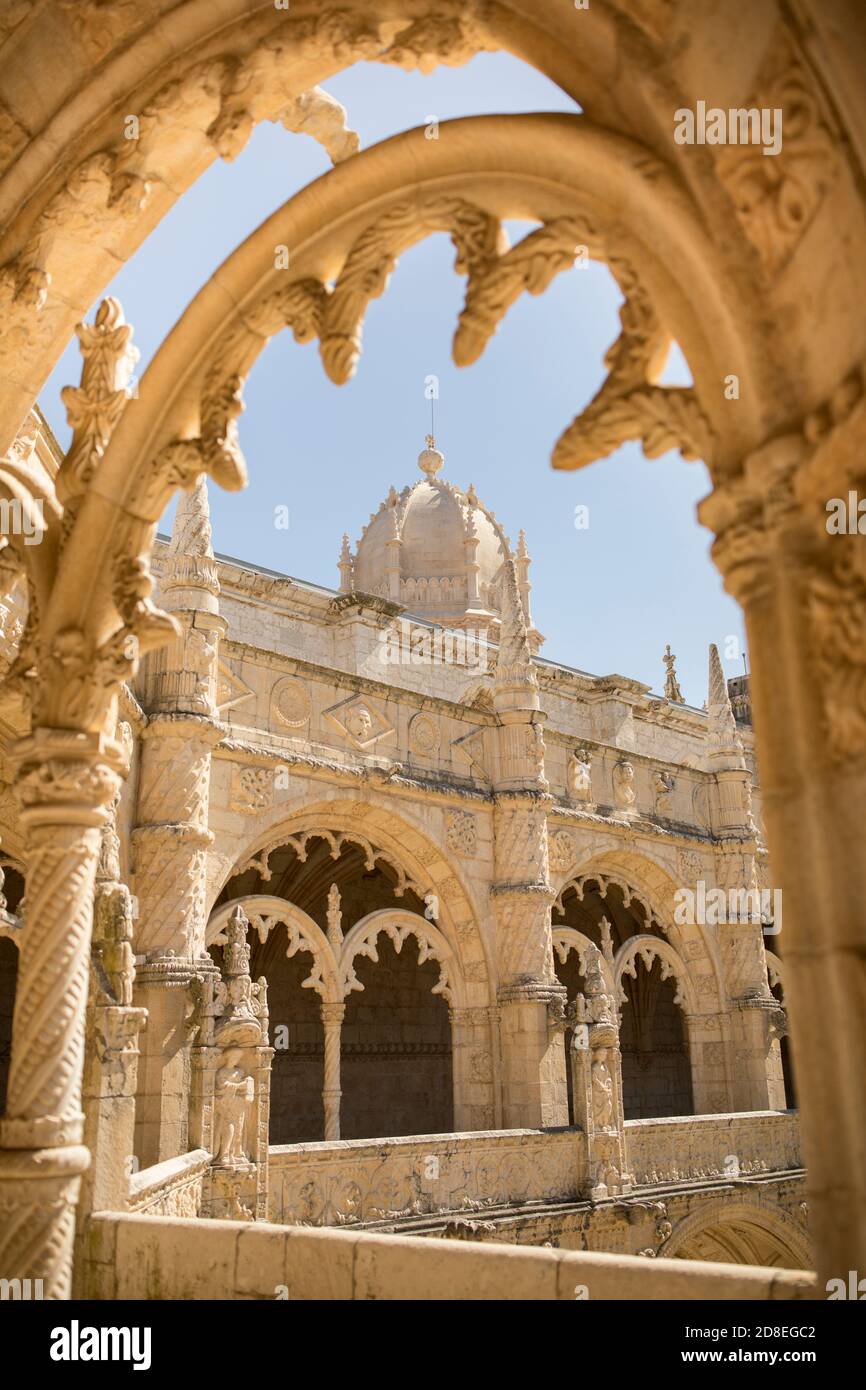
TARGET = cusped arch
(646,950)
(651,883)
(568,939)
(398,925)
(410,848)
(556,169)
(211,81)
(266,912)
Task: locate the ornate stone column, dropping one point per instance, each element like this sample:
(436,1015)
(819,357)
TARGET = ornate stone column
(231,1071)
(596,1069)
(171,839)
(754,1013)
(332,1023)
(111,1047)
(66,782)
(803,590)
(532,1062)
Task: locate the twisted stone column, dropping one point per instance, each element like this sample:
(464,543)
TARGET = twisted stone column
(66,783)
(332,1022)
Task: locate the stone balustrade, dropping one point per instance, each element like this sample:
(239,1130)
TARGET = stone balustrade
(171,1188)
(695,1148)
(364,1180)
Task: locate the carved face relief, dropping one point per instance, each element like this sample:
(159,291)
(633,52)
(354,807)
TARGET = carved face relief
(359,722)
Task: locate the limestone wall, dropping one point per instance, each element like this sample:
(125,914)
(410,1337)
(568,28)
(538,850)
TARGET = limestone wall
(378,1180)
(145,1257)
(713,1146)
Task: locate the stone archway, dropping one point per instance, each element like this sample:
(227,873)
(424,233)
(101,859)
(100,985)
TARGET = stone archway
(740,1232)
(788,448)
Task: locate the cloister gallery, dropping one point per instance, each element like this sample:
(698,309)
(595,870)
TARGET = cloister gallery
(296,935)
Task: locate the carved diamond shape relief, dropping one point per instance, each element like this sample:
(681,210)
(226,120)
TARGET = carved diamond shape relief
(359,721)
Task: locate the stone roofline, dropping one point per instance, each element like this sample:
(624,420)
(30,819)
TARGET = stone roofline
(243,578)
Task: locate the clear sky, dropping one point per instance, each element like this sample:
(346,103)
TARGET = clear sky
(608,597)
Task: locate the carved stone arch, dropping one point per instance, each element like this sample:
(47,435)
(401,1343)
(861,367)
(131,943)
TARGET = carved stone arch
(214,79)
(265,913)
(408,846)
(646,949)
(785,1237)
(398,925)
(560,170)
(568,939)
(652,883)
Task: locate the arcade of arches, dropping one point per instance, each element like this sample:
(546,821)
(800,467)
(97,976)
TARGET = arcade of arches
(508,843)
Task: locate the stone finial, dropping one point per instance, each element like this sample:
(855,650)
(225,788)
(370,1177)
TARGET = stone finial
(672,685)
(346,565)
(722,727)
(191,533)
(522,551)
(514,659)
(430,460)
(335,917)
(190,574)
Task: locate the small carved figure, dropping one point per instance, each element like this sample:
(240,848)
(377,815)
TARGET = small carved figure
(663,783)
(602,1091)
(335,918)
(623,784)
(233,1091)
(580,775)
(359,723)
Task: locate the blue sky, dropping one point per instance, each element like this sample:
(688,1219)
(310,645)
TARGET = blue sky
(609,597)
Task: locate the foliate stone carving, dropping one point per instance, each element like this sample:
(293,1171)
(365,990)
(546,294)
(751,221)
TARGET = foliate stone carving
(290,703)
(837,604)
(777,198)
(690,867)
(561,851)
(252,789)
(462,833)
(424,735)
(94,407)
(628,406)
(530,265)
(476,235)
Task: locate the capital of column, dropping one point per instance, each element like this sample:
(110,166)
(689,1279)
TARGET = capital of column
(332,1013)
(68,776)
(198,728)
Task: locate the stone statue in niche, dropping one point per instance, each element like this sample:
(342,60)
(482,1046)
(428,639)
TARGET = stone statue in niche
(602,1091)
(623,785)
(233,1092)
(580,775)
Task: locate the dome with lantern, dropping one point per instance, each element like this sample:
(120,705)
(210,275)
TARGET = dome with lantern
(437,551)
